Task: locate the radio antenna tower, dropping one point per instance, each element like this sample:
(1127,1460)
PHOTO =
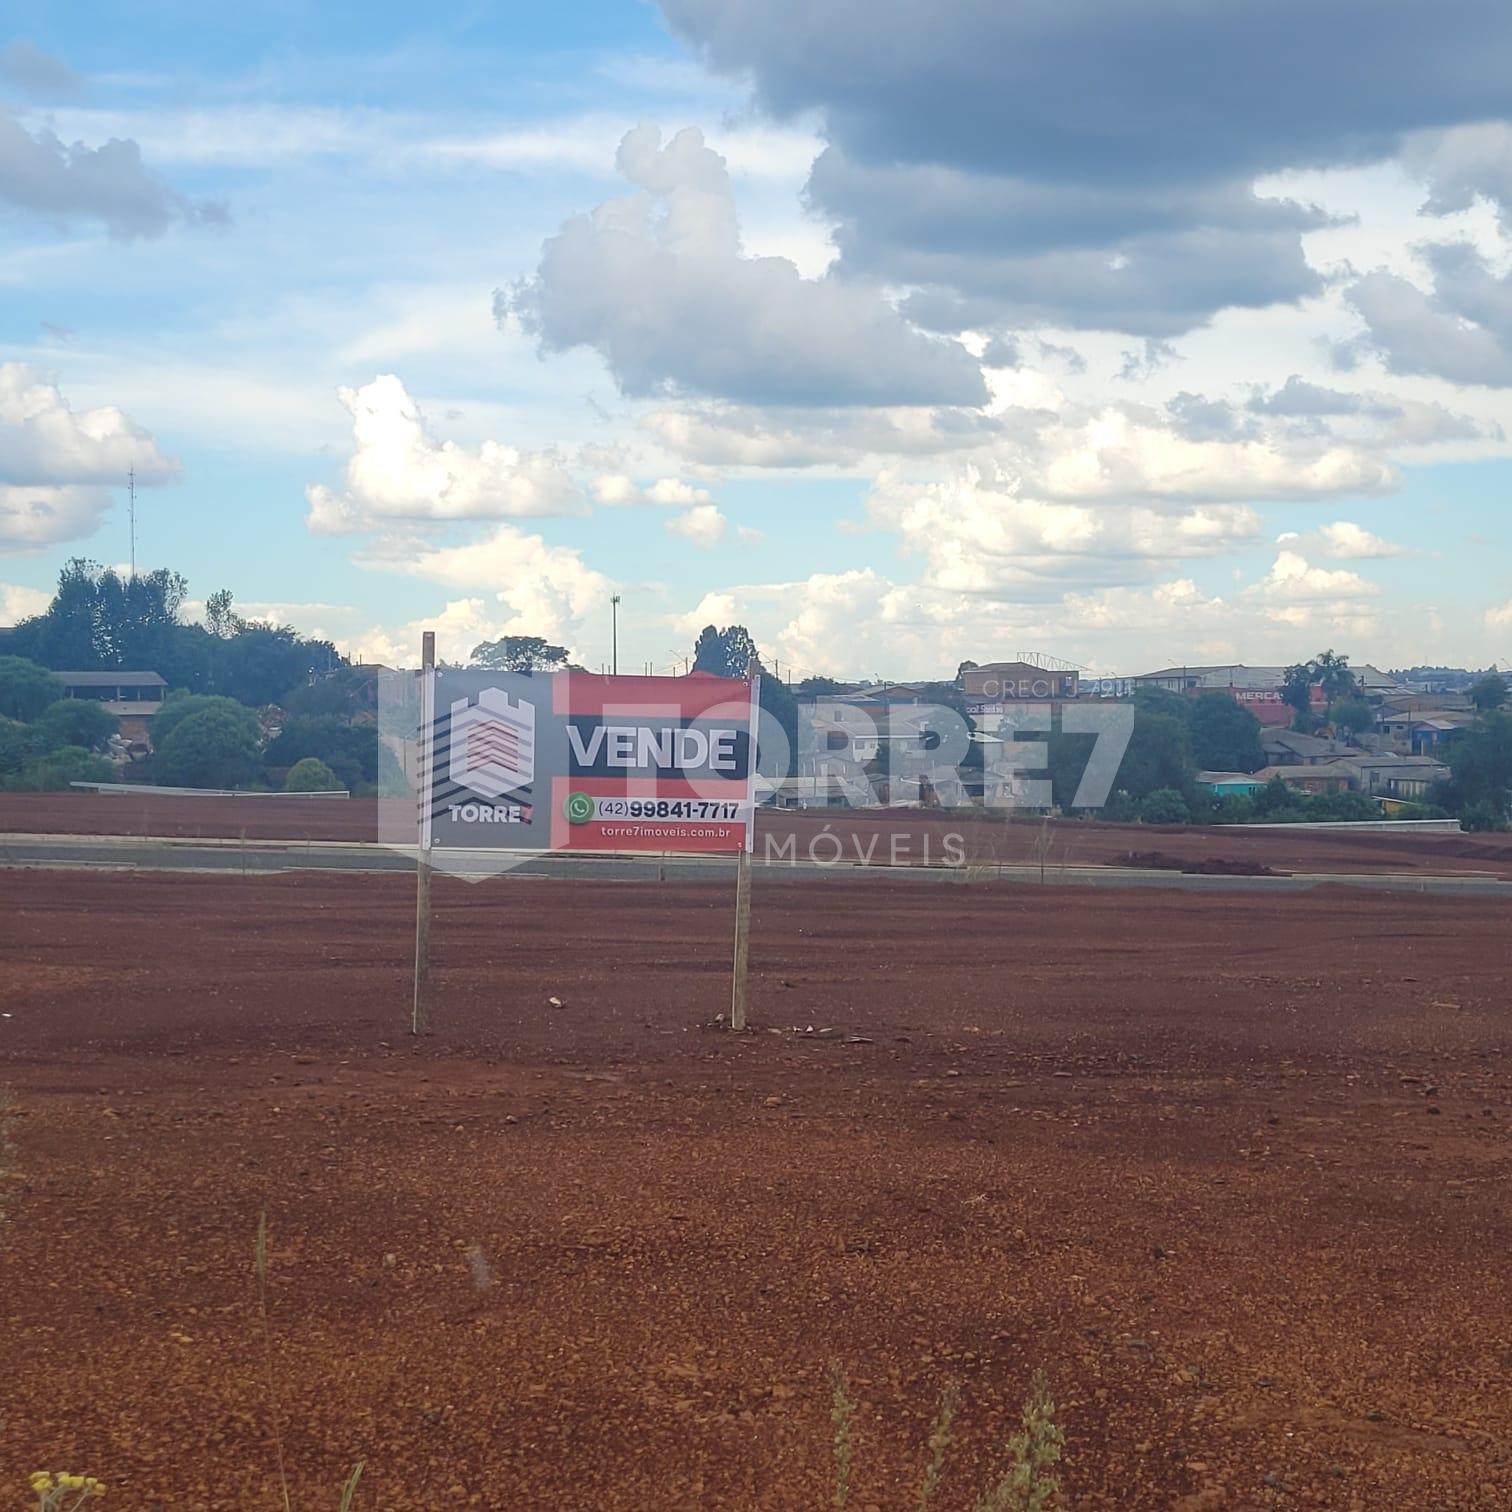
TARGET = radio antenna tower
(131,509)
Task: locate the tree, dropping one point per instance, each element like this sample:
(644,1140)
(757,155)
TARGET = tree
(221,620)
(99,620)
(1296,690)
(963,668)
(1158,756)
(778,707)
(1489,692)
(1225,735)
(26,689)
(519,653)
(180,706)
(1233,808)
(1481,761)
(1273,798)
(1163,701)
(350,751)
(1164,806)
(1353,716)
(311,776)
(76,722)
(57,770)
(15,747)
(726,653)
(1332,675)
(210,748)
(261,664)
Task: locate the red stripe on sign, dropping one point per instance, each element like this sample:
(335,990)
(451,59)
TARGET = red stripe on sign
(681,697)
(494,739)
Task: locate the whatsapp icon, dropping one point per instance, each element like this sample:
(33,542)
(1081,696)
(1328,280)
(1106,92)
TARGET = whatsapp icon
(578,808)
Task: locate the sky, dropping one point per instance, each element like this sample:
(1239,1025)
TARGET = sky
(1132,332)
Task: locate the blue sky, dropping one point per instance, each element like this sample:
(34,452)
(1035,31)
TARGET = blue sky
(469,318)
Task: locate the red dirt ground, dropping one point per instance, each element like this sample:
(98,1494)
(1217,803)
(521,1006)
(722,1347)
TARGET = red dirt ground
(868,834)
(1233,1171)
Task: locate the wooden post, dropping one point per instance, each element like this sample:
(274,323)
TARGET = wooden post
(742,937)
(420,1013)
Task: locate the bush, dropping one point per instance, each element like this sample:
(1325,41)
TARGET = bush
(1342,807)
(25,688)
(211,748)
(1274,797)
(351,751)
(76,722)
(1484,817)
(1421,811)
(57,769)
(311,776)
(1164,806)
(1120,809)
(16,744)
(181,706)
(1234,808)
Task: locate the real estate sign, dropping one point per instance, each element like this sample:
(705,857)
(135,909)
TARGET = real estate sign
(578,762)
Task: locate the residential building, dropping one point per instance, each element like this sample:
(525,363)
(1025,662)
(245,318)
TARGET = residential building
(1292,748)
(1332,777)
(1017,682)
(133,697)
(1407,777)
(1231,784)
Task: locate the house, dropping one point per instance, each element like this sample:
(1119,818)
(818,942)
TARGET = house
(1432,734)
(1017,682)
(1227,784)
(1407,777)
(1258,689)
(1421,732)
(133,697)
(1329,777)
(1291,748)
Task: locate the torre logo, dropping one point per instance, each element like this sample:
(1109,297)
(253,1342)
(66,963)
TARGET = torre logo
(492,744)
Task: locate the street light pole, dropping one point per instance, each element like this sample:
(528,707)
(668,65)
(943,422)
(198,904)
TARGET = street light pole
(614,632)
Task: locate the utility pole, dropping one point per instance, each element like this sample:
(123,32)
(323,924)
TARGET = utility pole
(131,511)
(614,632)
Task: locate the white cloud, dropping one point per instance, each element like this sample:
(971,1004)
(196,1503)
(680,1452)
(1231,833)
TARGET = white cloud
(18,603)
(44,440)
(35,516)
(619,489)
(1500,617)
(545,590)
(659,284)
(55,461)
(1294,580)
(399,471)
(1343,539)
(703,525)
(1132,452)
(980,533)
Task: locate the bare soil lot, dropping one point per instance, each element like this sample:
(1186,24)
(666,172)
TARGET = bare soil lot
(877,837)
(1234,1171)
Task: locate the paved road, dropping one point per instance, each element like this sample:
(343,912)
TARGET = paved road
(263,857)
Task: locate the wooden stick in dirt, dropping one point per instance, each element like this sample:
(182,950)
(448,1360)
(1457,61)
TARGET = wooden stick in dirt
(420,1012)
(742,937)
